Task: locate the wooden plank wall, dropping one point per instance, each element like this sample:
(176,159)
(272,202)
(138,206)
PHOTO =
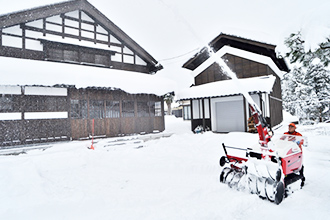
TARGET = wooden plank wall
(111,127)
(275,99)
(242,67)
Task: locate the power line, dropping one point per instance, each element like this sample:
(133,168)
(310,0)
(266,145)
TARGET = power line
(176,57)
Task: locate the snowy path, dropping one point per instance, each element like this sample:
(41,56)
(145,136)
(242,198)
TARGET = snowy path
(169,178)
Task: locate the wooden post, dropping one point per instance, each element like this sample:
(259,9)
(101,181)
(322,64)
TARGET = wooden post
(63,25)
(203,112)
(92,147)
(0,37)
(79,25)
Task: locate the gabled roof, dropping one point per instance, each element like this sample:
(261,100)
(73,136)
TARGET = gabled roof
(61,8)
(239,53)
(240,43)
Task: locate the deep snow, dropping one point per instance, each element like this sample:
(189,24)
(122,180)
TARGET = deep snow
(168,178)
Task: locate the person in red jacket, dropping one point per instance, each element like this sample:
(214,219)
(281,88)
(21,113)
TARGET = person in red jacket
(292,130)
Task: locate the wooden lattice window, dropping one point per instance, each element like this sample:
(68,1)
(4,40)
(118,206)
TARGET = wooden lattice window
(142,109)
(152,108)
(158,109)
(96,109)
(79,109)
(128,108)
(112,109)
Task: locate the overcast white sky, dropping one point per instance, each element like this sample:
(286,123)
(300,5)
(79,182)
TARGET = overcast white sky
(170,28)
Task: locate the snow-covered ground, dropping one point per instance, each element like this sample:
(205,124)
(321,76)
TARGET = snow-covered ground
(168,178)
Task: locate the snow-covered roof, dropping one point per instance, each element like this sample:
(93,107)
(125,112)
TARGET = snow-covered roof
(27,5)
(229,87)
(240,53)
(16,71)
(90,13)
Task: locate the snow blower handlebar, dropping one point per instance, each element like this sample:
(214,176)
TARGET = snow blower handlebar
(262,126)
(229,158)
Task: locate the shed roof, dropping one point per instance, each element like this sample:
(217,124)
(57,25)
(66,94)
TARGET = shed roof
(229,87)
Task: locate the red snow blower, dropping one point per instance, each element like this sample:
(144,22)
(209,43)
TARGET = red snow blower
(267,168)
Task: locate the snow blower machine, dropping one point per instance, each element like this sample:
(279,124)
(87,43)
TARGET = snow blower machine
(268,168)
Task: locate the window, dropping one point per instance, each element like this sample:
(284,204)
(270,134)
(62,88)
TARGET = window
(155,108)
(206,108)
(158,109)
(142,109)
(152,108)
(128,108)
(78,109)
(198,111)
(112,109)
(77,54)
(186,112)
(96,109)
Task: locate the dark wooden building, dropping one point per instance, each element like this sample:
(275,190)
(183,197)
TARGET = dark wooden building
(227,110)
(73,33)
(33,114)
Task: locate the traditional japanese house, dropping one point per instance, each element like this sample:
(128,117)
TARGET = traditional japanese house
(68,71)
(216,102)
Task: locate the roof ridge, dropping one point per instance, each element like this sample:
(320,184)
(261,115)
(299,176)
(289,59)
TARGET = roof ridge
(33,8)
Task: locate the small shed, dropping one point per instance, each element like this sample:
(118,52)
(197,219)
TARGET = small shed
(220,106)
(216,101)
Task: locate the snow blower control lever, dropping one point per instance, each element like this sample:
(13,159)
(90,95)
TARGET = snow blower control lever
(264,129)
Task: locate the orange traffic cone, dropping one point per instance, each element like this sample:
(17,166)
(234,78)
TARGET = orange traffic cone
(92,147)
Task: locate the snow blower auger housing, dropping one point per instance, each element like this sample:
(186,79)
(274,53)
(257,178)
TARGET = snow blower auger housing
(268,168)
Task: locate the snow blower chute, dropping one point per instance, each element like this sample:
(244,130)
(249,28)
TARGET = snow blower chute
(267,168)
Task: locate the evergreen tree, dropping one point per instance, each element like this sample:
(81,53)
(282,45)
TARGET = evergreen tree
(307,87)
(290,83)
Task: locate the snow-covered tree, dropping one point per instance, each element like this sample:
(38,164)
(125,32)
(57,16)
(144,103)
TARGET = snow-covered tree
(319,79)
(290,83)
(306,89)
(168,98)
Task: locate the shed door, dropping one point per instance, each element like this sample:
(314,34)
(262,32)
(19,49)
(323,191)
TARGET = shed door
(230,116)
